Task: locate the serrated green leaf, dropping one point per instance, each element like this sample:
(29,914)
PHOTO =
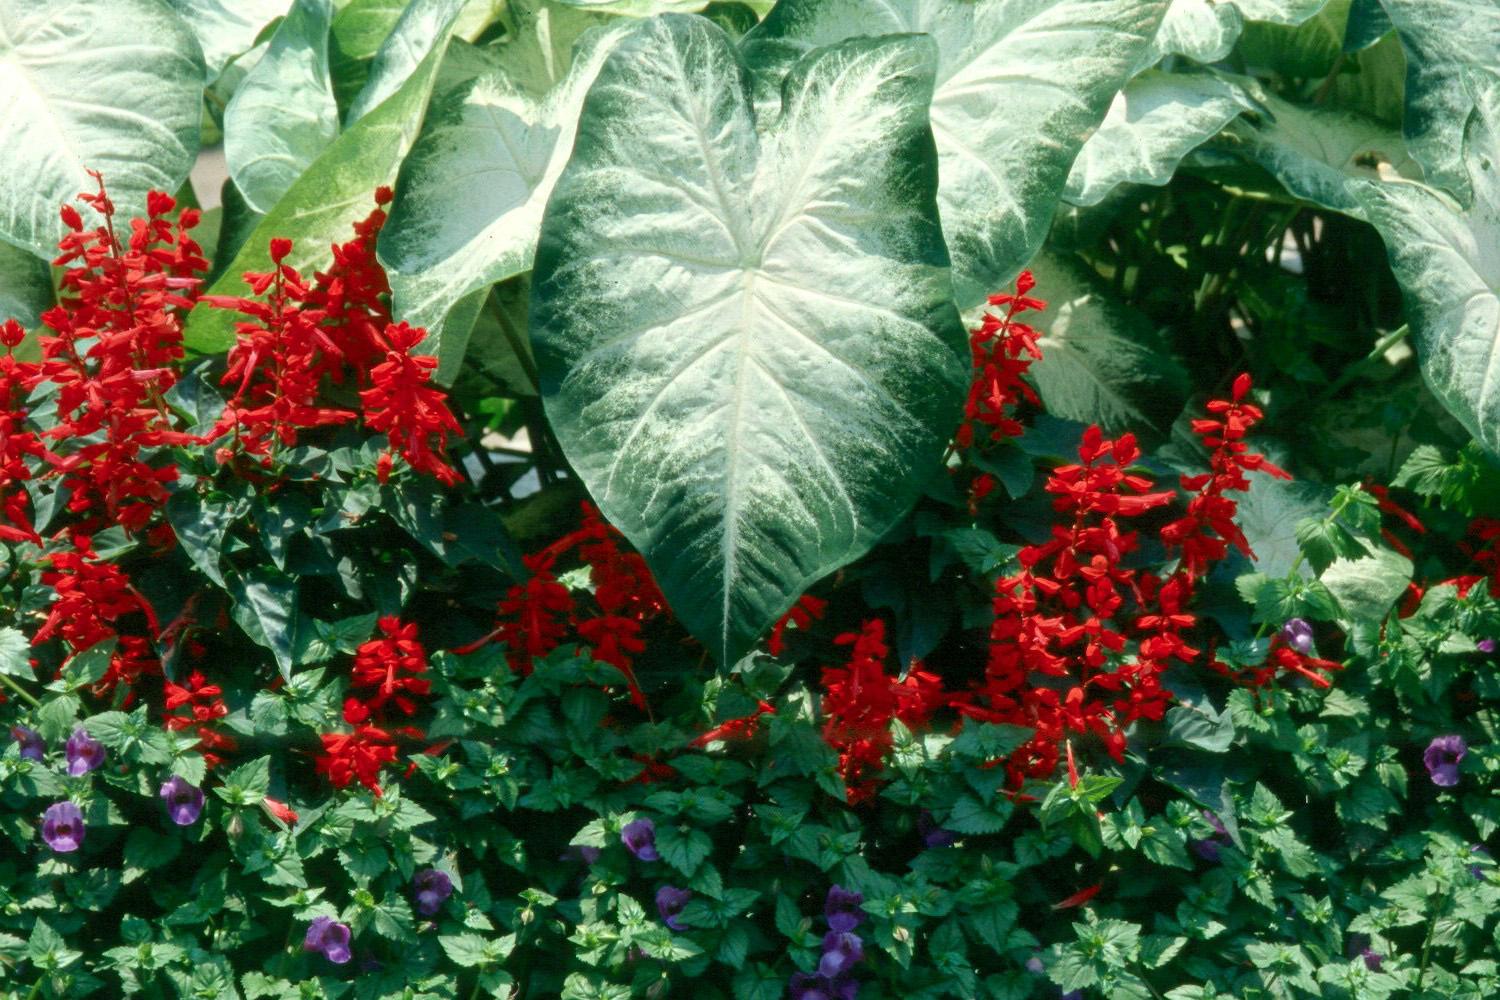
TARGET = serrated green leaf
(15,654)
(1153,123)
(283,115)
(1020,86)
(777,401)
(683,848)
(1368,588)
(113,87)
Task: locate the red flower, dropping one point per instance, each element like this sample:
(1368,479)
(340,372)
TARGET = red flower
(807,610)
(390,669)
(412,414)
(358,756)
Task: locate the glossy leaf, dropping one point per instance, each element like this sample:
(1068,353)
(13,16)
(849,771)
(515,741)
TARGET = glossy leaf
(115,87)
(1442,38)
(1202,30)
(283,115)
(227,28)
(424,26)
(321,208)
(1445,258)
(1020,85)
(1318,153)
(743,327)
(25,286)
(471,194)
(1158,119)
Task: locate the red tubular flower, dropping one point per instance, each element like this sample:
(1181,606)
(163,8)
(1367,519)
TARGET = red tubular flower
(1003,348)
(358,756)
(535,615)
(389,669)
(807,610)
(412,414)
(735,729)
(198,705)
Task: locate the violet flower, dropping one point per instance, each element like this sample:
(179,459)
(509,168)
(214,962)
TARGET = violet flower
(669,903)
(1298,634)
(431,889)
(1442,756)
(329,938)
(85,753)
(806,987)
(842,909)
(1208,850)
(932,834)
(639,838)
(1372,959)
(62,827)
(842,950)
(32,746)
(184,801)
(1485,645)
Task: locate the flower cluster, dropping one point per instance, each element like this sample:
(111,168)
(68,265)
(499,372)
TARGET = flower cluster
(386,678)
(842,950)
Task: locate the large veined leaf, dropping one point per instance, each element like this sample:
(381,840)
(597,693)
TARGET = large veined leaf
(1318,154)
(1153,123)
(470,197)
(25,286)
(226,28)
(1021,84)
(112,86)
(745,333)
(1441,38)
(1102,362)
(1279,11)
(423,26)
(1368,23)
(283,115)
(638,8)
(322,206)
(1203,30)
(1307,50)
(1447,260)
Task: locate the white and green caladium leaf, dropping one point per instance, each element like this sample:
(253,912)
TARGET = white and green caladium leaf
(283,115)
(470,198)
(424,25)
(1368,23)
(745,331)
(227,28)
(1441,38)
(1280,11)
(1102,362)
(1020,85)
(112,86)
(321,208)
(1203,30)
(1319,154)
(1158,119)
(638,8)
(1447,260)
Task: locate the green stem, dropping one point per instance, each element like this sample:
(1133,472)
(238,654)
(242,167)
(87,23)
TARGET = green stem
(1376,353)
(1427,946)
(20,692)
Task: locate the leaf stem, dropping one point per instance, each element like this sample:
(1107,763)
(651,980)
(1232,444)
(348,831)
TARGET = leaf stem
(1353,371)
(20,692)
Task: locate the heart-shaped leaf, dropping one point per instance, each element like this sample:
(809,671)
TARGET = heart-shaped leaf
(112,86)
(1020,85)
(744,328)
(1447,259)
(283,115)
(1202,30)
(227,28)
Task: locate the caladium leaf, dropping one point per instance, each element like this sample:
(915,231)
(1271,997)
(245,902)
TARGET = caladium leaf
(227,28)
(1368,23)
(1020,85)
(114,87)
(424,25)
(283,115)
(1158,119)
(1203,30)
(744,329)
(25,286)
(1102,361)
(1319,153)
(1441,38)
(325,202)
(470,198)
(1447,260)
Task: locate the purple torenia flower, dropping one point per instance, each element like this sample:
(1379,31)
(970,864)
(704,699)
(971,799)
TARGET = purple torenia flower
(842,950)
(1442,756)
(639,838)
(1485,645)
(805,987)
(1208,850)
(1298,634)
(85,753)
(669,903)
(1372,959)
(841,909)
(932,834)
(432,889)
(32,747)
(62,827)
(329,938)
(184,801)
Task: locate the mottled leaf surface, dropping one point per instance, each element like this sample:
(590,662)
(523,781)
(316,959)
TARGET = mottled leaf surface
(227,28)
(423,26)
(112,86)
(1021,84)
(746,339)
